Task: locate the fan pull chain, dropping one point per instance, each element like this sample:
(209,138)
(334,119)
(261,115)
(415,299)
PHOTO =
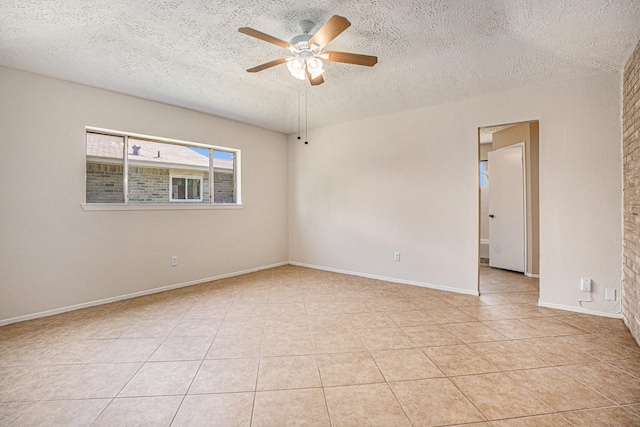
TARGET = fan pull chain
(299,113)
(306,116)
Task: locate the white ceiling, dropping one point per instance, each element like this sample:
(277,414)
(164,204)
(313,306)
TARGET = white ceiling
(189,52)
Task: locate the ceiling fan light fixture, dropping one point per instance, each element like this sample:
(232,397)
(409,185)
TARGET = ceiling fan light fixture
(299,75)
(314,63)
(295,64)
(314,66)
(316,73)
(297,68)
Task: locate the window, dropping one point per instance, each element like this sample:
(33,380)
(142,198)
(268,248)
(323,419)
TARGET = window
(132,169)
(185,188)
(483,174)
(105,165)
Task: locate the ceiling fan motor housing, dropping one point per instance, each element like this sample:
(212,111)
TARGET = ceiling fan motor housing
(301,39)
(306,26)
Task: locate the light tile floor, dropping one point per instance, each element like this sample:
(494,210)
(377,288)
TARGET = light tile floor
(295,346)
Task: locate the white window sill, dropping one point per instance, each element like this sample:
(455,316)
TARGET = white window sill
(158,207)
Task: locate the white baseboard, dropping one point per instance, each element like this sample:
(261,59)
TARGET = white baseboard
(533,276)
(387,279)
(580,310)
(132,295)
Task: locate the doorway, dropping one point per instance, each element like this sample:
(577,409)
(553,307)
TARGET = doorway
(508,202)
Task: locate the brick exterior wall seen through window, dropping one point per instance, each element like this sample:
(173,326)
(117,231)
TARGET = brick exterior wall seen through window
(104,183)
(148,185)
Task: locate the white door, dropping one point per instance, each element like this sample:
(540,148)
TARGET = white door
(507,209)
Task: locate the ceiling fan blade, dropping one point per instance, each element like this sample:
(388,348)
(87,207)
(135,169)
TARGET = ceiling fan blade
(352,58)
(329,31)
(267,65)
(317,81)
(262,36)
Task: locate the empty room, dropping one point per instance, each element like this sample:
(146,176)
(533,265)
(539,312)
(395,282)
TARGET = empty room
(333,213)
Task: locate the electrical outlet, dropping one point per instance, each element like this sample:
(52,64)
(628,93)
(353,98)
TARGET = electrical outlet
(174,261)
(585,285)
(396,256)
(610,294)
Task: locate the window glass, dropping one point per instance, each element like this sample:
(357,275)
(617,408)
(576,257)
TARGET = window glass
(224,177)
(152,165)
(193,189)
(158,171)
(483,174)
(105,165)
(178,189)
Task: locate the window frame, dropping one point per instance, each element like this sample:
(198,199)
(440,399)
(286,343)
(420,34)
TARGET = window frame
(186,188)
(173,204)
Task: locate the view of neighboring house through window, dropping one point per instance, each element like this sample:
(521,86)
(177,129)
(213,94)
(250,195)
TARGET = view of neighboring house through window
(132,169)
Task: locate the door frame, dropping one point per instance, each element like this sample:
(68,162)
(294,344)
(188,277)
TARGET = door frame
(532,183)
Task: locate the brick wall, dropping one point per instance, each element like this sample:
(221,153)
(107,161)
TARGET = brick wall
(104,183)
(147,185)
(631,168)
(223,187)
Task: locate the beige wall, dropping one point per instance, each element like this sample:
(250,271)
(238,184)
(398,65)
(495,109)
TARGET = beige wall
(358,192)
(408,182)
(53,254)
(484,151)
(511,135)
(528,133)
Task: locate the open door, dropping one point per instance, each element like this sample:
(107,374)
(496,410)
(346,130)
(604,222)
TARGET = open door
(507,219)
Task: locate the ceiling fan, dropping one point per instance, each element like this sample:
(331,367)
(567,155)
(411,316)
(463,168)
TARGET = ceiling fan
(308,50)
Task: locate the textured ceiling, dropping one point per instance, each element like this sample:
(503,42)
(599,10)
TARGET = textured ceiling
(189,52)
